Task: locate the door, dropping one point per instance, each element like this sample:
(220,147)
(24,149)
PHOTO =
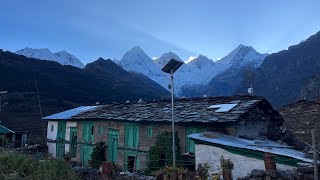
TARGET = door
(60,150)
(190,146)
(86,154)
(113,137)
(73,141)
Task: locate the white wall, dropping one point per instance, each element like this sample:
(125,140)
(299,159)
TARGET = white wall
(52,135)
(242,165)
(52,148)
(69,124)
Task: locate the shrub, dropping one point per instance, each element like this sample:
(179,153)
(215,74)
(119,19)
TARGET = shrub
(203,171)
(19,166)
(98,155)
(160,155)
(225,164)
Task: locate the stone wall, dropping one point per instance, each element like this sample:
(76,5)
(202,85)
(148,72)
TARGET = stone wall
(301,173)
(145,142)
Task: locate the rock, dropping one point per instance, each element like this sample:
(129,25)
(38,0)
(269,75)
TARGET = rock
(290,173)
(305,170)
(307,177)
(272,173)
(258,173)
(282,174)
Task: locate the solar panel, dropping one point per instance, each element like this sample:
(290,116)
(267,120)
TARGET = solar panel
(172,64)
(223,107)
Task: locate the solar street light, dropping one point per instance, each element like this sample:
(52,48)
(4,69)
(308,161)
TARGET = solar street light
(170,68)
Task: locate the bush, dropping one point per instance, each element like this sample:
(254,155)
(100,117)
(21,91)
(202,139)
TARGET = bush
(19,166)
(203,171)
(98,155)
(160,155)
(225,164)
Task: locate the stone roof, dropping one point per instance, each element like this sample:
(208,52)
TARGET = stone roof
(300,117)
(186,110)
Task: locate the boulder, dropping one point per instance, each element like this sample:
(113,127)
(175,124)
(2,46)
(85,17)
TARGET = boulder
(258,173)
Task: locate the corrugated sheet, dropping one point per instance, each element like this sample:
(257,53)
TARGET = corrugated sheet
(70,113)
(262,145)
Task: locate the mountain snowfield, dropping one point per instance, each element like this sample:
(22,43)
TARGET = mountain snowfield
(199,71)
(242,56)
(62,57)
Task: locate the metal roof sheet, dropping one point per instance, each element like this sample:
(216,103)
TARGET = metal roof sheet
(70,113)
(262,145)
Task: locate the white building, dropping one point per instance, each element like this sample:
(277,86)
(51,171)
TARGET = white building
(62,132)
(245,154)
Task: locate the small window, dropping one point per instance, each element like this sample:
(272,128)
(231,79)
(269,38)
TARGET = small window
(149,131)
(92,130)
(52,127)
(100,129)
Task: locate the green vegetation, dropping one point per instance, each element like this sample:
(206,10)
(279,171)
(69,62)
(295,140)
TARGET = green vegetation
(98,155)
(19,166)
(226,164)
(160,155)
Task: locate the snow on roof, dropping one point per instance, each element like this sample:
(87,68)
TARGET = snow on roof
(223,107)
(263,145)
(70,113)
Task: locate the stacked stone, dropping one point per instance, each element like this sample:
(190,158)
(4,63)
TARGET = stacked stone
(301,173)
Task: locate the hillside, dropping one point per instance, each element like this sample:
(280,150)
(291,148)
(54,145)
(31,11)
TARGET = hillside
(63,87)
(289,75)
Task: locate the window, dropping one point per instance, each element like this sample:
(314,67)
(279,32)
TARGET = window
(88,131)
(149,131)
(131,136)
(52,127)
(92,130)
(100,129)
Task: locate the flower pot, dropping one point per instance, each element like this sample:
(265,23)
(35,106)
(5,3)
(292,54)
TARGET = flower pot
(226,173)
(269,162)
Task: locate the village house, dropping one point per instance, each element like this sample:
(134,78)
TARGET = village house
(300,117)
(12,135)
(130,129)
(245,154)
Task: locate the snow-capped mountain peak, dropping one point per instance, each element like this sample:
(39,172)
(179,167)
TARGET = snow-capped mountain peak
(69,59)
(201,62)
(165,58)
(137,60)
(62,57)
(243,55)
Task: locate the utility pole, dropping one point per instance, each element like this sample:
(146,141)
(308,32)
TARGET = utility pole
(315,161)
(170,68)
(172,117)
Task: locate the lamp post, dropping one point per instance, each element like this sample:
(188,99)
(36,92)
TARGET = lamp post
(170,68)
(2,92)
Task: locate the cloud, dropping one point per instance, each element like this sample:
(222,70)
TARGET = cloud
(191,58)
(154,58)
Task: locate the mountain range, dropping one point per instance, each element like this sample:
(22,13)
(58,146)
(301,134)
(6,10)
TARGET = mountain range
(62,57)
(282,77)
(197,72)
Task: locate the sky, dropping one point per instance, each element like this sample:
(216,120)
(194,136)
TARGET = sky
(108,29)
